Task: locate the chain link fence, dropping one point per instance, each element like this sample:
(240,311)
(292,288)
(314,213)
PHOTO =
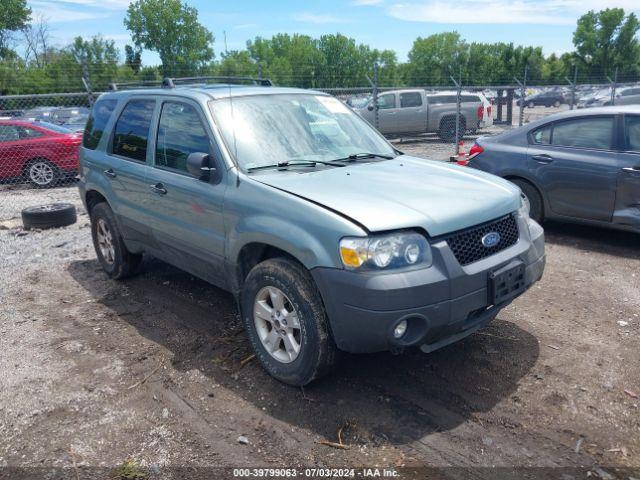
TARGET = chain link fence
(40,134)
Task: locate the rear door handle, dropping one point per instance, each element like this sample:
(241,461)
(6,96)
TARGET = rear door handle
(110,173)
(158,188)
(543,158)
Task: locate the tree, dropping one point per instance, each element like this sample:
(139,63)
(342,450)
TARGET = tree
(170,28)
(37,42)
(100,56)
(434,58)
(132,58)
(15,16)
(605,40)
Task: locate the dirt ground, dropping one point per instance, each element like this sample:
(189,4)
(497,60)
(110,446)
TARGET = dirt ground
(156,372)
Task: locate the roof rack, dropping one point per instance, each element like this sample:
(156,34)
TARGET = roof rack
(172,82)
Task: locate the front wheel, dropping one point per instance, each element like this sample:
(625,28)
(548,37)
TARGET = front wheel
(556,103)
(286,322)
(531,105)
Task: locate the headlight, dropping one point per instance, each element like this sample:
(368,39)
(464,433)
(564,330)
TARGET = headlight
(395,250)
(525,206)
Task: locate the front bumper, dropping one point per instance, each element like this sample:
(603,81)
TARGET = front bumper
(442,304)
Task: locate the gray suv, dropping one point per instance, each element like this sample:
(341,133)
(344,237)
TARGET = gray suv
(330,239)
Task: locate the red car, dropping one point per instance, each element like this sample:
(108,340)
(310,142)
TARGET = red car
(40,152)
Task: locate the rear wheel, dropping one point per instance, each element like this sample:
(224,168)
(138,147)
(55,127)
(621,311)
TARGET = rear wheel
(531,105)
(286,322)
(532,196)
(115,259)
(42,173)
(556,103)
(447,131)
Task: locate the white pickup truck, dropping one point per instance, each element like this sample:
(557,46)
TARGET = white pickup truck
(418,111)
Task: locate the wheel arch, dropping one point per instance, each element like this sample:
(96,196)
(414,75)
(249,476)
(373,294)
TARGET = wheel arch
(512,177)
(92,198)
(255,252)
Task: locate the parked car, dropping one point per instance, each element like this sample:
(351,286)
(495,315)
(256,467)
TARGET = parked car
(327,235)
(414,111)
(581,165)
(40,152)
(39,113)
(597,98)
(64,115)
(626,96)
(544,98)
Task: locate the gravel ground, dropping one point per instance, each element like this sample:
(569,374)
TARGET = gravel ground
(157,369)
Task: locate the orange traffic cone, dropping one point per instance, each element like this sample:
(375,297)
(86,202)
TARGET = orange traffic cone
(463,157)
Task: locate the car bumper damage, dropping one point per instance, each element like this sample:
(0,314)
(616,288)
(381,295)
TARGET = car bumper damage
(440,304)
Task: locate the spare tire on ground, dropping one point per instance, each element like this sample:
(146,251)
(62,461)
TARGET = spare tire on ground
(49,216)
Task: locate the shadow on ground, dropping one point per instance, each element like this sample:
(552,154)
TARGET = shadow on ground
(388,398)
(593,239)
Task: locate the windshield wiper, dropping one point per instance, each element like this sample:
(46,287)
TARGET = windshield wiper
(363,155)
(295,163)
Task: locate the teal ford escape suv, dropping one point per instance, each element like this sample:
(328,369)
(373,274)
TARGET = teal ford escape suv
(329,237)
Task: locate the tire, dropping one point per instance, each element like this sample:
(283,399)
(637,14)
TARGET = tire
(291,283)
(556,103)
(533,196)
(49,216)
(41,173)
(447,130)
(115,259)
(531,104)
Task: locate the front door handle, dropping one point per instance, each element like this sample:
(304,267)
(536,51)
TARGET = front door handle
(635,170)
(543,158)
(158,188)
(110,173)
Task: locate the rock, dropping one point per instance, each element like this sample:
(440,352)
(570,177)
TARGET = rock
(165,413)
(623,323)
(242,440)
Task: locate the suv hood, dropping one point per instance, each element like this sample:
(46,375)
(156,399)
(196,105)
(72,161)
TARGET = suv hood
(404,192)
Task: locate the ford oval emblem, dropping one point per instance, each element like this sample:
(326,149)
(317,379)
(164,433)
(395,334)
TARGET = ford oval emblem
(491,239)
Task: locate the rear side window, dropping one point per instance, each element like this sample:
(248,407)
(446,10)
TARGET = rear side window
(442,99)
(98,119)
(132,130)
(26,132)
(632,132)
(180,133)
(470,98)
(410,99)
(593,132)
(8,133)
(542,136)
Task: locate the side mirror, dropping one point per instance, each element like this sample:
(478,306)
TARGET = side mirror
(370,107)
(198,165)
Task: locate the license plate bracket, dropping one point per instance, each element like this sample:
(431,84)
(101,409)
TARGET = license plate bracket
(506,283)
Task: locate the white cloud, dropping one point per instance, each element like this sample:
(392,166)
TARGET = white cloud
(317,18)
(54,12)
(547,12)
(360,3)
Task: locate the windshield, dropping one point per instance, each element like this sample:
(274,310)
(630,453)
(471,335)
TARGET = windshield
(270,129)
(53,127)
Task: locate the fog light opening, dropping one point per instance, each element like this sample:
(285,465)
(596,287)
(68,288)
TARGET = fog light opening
(400,329)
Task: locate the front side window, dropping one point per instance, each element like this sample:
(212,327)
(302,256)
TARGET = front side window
(132,130)
(386,101)
(180,132)
(262,130)
(632,132)
(410,99)
(97,121)
(542,136)
(590,132)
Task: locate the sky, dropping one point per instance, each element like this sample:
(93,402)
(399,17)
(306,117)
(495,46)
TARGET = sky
(382,24)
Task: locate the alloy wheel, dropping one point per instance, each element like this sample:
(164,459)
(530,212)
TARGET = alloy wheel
(277,324)
(41,173)
(105,241)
